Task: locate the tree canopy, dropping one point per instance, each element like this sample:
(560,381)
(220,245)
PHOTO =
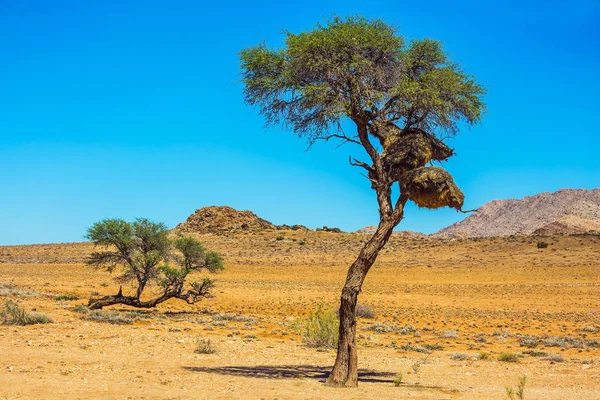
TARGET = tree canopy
(143,253)
(362,70)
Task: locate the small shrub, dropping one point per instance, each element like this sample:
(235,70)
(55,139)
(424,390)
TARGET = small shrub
(557,358)
(590,329)
(9,289)
(321,328)
(416,367)
(398,379)
(80,308)
(542,245)
(434,346)
(563,341)
(459,356)
(204,346)
(535,353)
(508,357)
(110,317)
(232,317)
(518,393)
(302,243)
(364,311)
(66,297)
(529,341)
(280,237)
(450,334)
(379,327)
(417,348)
(13,314)
(483,355)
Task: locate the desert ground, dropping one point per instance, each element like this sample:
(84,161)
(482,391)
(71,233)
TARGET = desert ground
(445,311)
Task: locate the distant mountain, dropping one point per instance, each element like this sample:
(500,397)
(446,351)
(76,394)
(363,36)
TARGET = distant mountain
(563,212)
(222,219)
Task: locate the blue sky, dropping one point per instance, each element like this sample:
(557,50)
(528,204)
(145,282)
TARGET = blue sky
(129,109)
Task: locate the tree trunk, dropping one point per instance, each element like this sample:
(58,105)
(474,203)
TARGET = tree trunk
(345,370)
(99,303)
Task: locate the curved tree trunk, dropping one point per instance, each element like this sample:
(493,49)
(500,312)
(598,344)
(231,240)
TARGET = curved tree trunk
(345,370)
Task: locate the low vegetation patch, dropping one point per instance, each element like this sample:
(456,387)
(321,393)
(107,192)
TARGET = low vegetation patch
(398,379)
(320,329)
(10,289)
(519,392)
(66,297)
(365,311)
(460,356)
(109,317)
(401,330)
(555,358)
(449,334)
(205,346)
(535,353)
(529,341)
(417,348)
(508,357)
(13,314)
(232,317)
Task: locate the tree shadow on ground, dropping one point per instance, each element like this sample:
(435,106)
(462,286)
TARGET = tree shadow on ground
(291,372)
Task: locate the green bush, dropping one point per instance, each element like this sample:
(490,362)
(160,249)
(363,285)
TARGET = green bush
(66,297)
(321,328)
(542,245)
(280,237)
(519,392)
(398,379)
(13,314)
(508,357)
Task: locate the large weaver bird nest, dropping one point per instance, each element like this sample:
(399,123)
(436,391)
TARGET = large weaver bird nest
(410,149)
(431,187)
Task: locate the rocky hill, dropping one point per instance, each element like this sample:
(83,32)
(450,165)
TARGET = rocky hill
(222,219)
(370,230)
(563,212)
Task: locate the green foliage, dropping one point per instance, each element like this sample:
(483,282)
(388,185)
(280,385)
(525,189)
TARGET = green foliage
(519,392)
(13,314)
(352,64)
(279,238)
(508,357)
(144,253)
(542,245)
(66,297)
(195,256)
(398,379)
(80,308)
(321,328)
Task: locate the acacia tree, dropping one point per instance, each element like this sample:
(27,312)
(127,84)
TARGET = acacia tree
(403,100)
(144,254)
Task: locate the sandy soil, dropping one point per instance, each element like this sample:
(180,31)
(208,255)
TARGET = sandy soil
(464,297)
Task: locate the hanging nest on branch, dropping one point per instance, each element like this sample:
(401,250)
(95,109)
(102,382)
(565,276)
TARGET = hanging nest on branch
(432,187)
(410,149)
